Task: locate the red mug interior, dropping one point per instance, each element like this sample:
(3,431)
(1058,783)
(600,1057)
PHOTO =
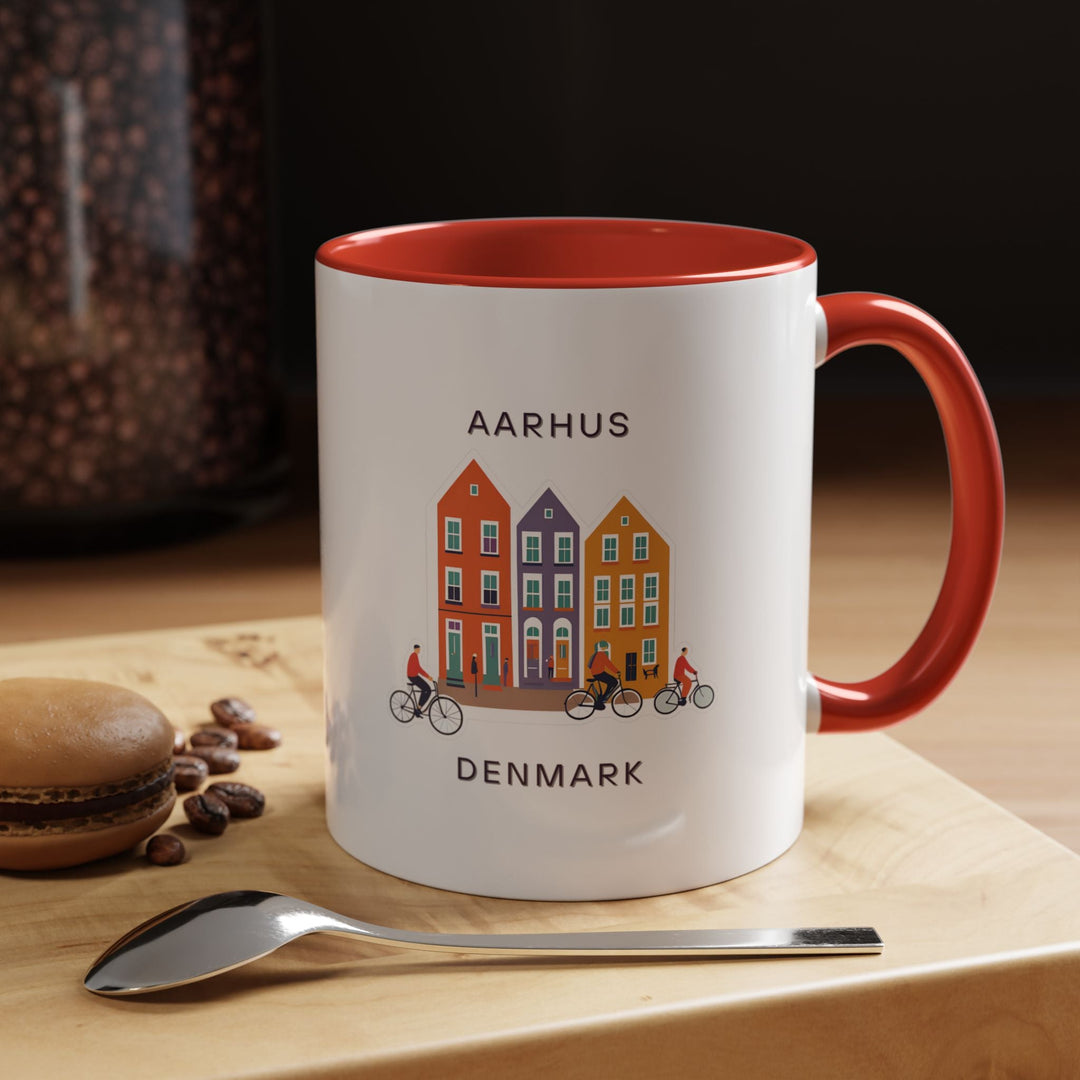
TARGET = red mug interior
(566,252)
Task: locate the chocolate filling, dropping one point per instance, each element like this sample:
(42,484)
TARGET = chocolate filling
(57,811)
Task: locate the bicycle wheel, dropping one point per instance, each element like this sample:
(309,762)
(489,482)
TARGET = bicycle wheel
(703,696)
(579,704)
(401,706)
(626,703)
(666,700)
(445,715)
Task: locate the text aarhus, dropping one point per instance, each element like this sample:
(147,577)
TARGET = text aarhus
(553,425)
(539,774)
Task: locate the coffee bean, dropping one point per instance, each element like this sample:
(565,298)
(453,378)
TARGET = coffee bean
(189,772)
(207,813)
(215,736)
(232,712)
(179,742)
(165,850)
(258,737)
(242,799)
(219,759)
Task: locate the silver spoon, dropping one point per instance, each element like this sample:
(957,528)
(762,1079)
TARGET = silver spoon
(218,933)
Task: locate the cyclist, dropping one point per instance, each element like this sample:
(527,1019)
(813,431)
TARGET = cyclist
(683,671)
(604,672)
(413,671)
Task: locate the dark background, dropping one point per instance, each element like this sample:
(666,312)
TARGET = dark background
(922,149)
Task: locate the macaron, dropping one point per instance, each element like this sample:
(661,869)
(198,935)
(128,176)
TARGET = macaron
(85,771)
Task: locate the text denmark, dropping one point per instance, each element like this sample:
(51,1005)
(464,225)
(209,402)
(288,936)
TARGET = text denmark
(523,774)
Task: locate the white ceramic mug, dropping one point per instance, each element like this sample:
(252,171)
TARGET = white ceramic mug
(566,476)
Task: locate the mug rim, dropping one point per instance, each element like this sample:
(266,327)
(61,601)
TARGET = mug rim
(566,252)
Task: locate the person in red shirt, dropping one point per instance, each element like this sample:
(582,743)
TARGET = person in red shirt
(604,672)
(683,671)
(413,671)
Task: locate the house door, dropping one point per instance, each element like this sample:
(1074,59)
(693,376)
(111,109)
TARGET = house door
(562,652)
(532,658)
(562,660)
(492,667)
(630,668)
(453,653)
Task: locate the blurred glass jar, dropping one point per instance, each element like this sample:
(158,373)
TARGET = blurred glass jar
(137,400)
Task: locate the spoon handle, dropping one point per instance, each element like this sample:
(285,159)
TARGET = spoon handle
(800,941)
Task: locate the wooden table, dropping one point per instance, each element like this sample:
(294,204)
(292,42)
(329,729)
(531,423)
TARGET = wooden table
(980,975)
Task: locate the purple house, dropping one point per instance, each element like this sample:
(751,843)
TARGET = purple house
(549,608)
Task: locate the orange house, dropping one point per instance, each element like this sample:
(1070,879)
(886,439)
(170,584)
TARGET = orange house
(475,547)
(627,566)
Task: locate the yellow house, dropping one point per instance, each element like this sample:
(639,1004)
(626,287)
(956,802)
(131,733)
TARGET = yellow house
(627,603)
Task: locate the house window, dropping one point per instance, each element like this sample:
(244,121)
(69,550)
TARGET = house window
(532,631)
(625,519)
(652,586)
(474,489)
(603,589)
(490,589)
(641,547)
(652,614)
(564,547)
(489,538)
(611,549)
(548,513)
(648,651)
(603,617)
(532,591)
(626,614)
(564,591)
(453,534)
(626,588)
(453,585)
(530,547)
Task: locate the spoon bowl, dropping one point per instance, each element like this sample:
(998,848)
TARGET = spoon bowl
(217,933)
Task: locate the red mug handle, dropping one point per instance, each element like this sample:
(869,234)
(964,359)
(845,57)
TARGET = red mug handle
(978,511)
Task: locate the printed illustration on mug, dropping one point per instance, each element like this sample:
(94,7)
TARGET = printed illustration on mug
(536,614)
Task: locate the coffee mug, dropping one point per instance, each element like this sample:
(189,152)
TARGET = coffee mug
(565,472)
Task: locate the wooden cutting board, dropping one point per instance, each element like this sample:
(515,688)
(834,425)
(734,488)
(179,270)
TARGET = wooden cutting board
(980,975)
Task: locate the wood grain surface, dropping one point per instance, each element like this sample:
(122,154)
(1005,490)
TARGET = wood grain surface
(980,975)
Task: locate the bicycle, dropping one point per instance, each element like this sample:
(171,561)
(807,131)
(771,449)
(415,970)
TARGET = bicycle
(443,713)
(666,699)
(581,703)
